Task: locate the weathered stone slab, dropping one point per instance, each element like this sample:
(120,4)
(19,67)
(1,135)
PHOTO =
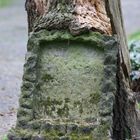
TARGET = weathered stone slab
(69,77)
(69,86)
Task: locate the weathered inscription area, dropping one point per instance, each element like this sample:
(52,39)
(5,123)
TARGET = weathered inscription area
(69,77)
(69,87)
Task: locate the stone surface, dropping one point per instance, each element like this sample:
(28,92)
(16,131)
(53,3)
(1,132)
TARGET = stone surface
(69,78)
(69,86)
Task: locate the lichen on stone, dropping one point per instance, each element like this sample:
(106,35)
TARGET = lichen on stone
(62,91)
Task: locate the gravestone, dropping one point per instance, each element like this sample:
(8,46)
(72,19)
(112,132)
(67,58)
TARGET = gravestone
(69,87)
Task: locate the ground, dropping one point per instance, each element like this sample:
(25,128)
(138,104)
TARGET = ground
(13,39)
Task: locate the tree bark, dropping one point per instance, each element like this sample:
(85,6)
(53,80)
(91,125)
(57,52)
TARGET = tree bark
(75,15)
(76,21)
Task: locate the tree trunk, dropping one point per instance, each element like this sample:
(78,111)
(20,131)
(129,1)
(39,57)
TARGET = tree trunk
(76,83)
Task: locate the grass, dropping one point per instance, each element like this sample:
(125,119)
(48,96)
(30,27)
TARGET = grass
(5,2)
(5,138)
(134,36)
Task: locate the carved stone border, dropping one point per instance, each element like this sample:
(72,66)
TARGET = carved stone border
(26,122)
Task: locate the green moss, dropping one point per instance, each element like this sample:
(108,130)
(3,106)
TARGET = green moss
(60,65)
(63,111)
(23,121)
(73,136)
(138,105)
(102,131)
(68,85)
(24,112)
(95,98)
(94,38)
(50,105)
(46,77)
(76,136)
(22,133)
(26,103)
(52,134)
(128,133)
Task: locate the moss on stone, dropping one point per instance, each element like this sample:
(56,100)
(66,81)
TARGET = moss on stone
(59,66)
(63,82)
(95,98)
(53,134)
(94,38)
(102,131)
(19,133)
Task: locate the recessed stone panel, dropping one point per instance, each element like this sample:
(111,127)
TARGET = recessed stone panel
(69,86)
(69,77)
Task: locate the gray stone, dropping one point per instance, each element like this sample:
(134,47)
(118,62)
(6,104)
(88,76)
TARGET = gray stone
(67,79)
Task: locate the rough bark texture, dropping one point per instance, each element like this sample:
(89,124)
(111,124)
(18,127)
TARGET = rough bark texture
(124,107)
(61,40)
(115,13)
(75,15)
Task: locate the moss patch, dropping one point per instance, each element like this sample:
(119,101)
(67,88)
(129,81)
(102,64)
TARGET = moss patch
(63,85)
(69,80)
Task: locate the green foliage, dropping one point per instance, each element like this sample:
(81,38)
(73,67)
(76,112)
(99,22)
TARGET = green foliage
(134,49)
(135,36)
(5,138)
(138,105)
(5,2)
